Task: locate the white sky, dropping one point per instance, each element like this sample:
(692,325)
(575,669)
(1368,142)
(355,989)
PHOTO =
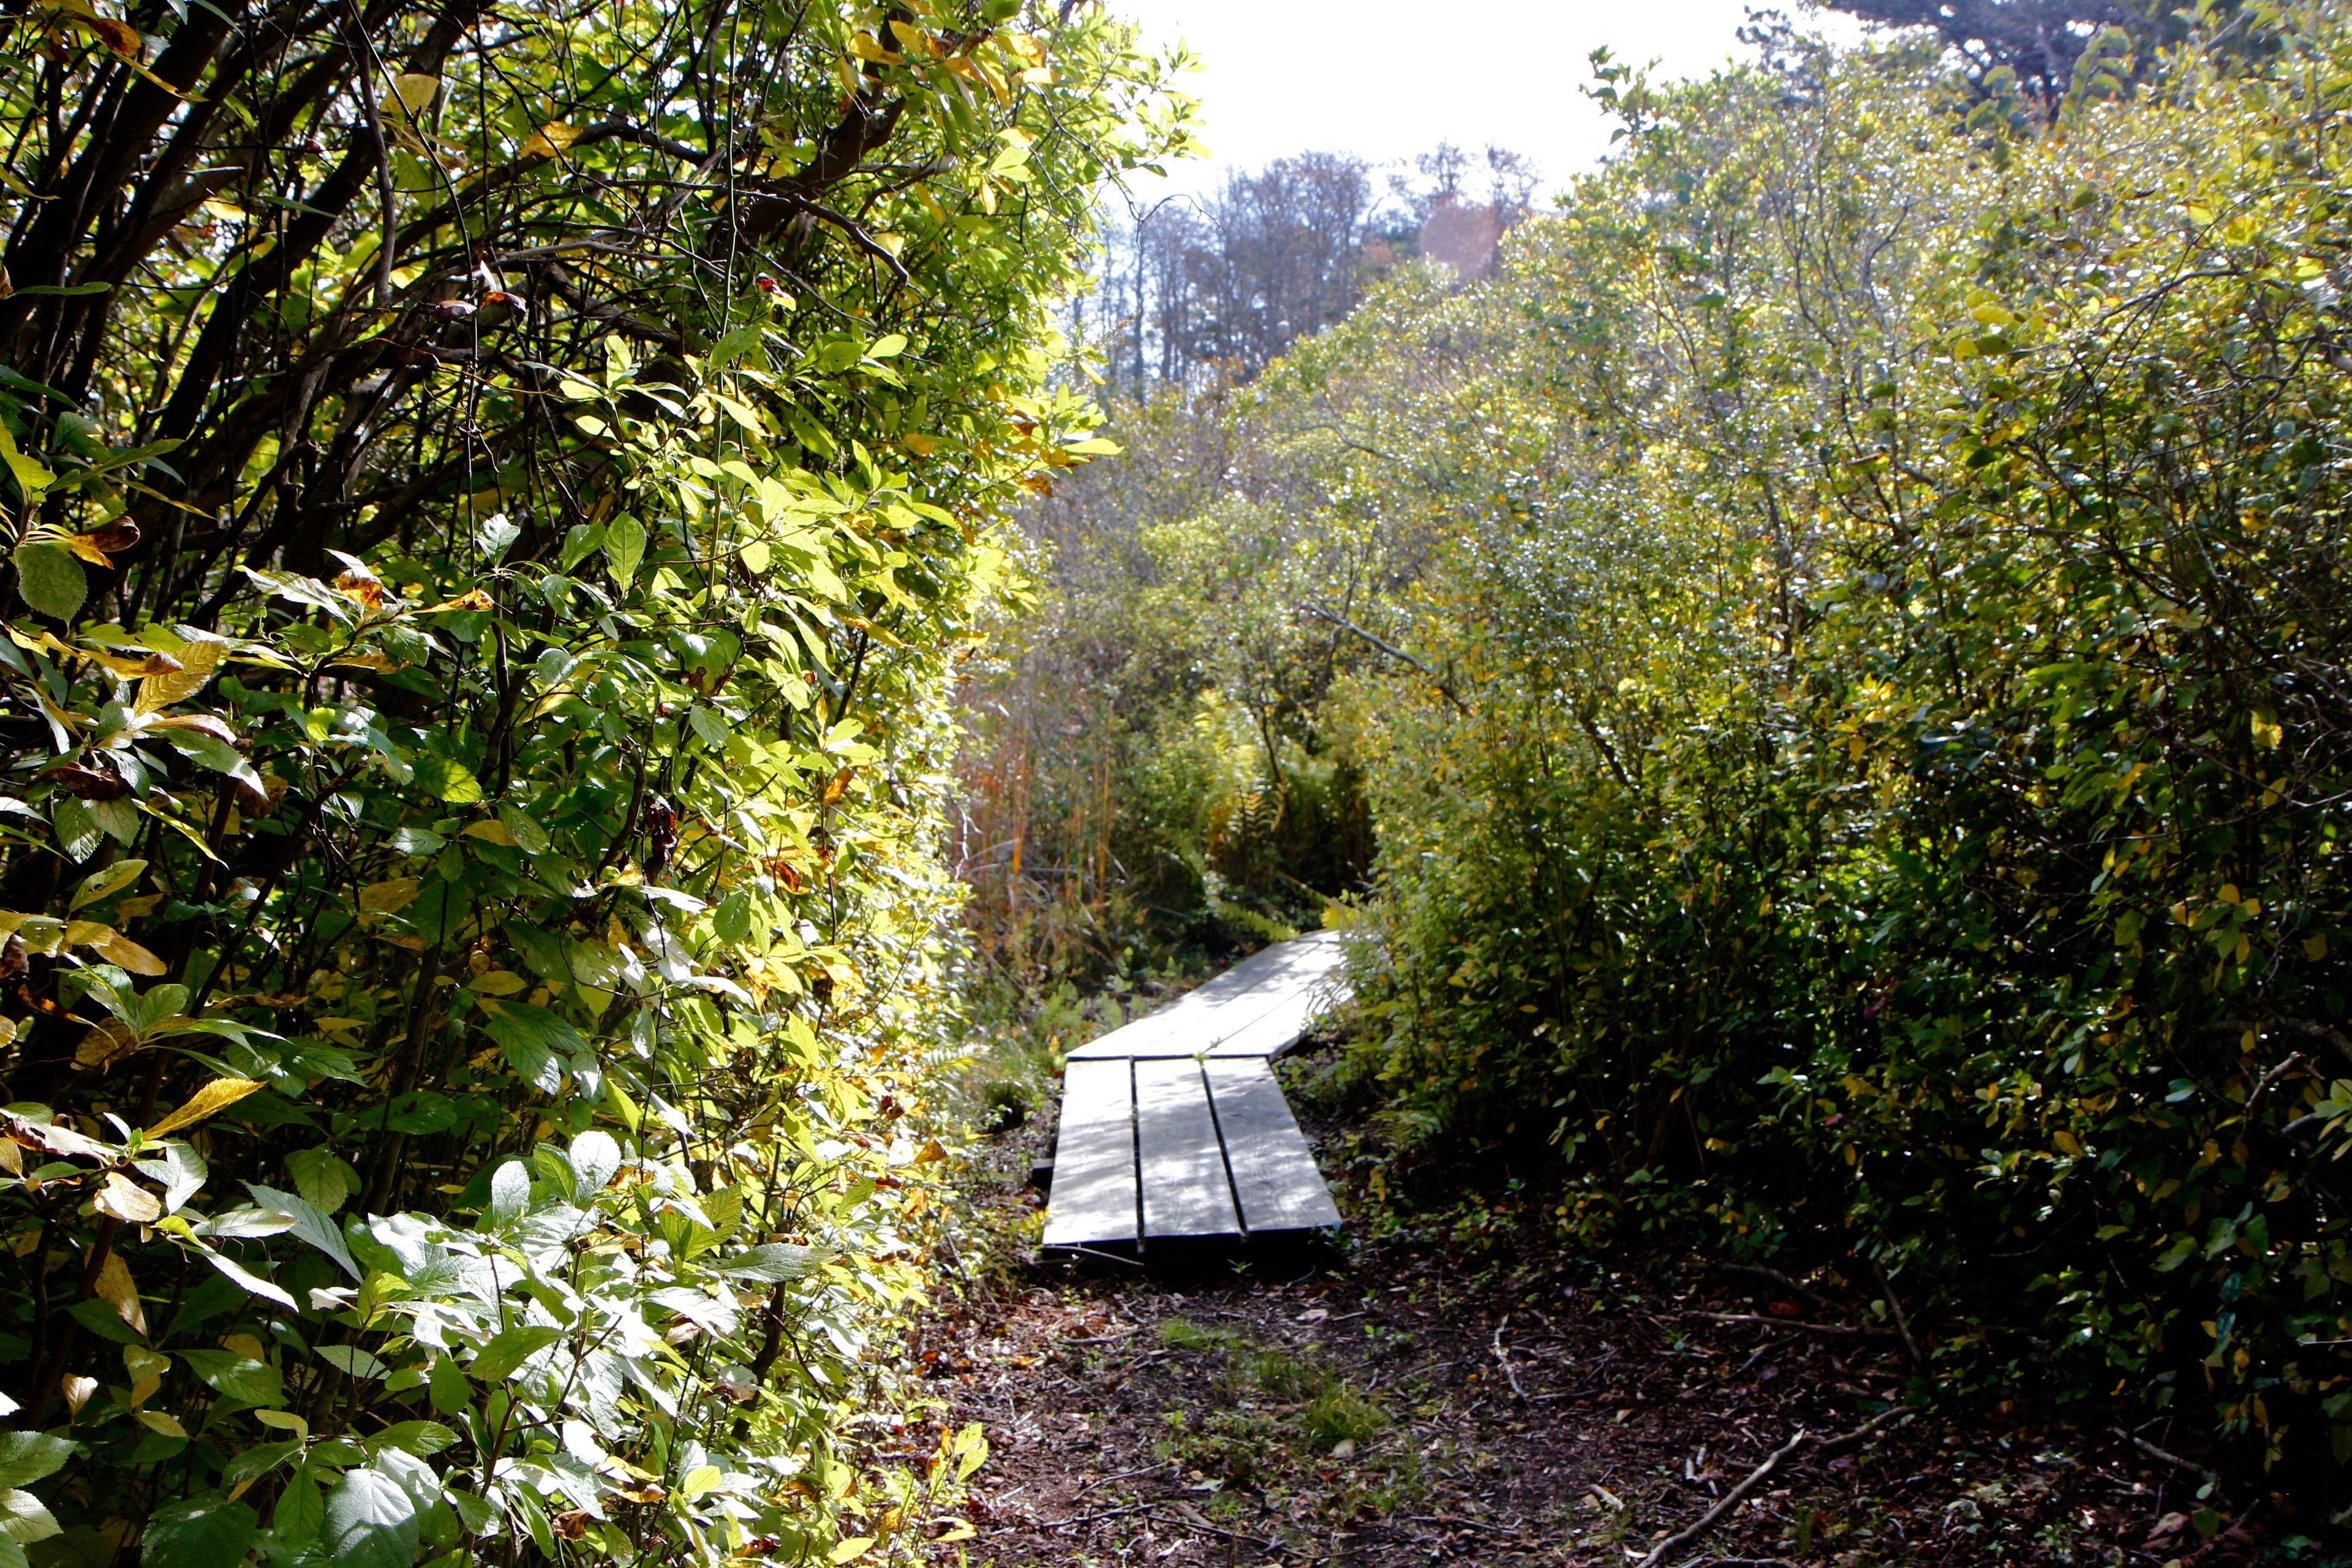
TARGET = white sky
(1385,79)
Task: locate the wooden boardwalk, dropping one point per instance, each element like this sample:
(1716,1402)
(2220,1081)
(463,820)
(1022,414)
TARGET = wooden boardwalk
(1174,1127)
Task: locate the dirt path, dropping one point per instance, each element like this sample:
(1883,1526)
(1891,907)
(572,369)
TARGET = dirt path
(1429,1398)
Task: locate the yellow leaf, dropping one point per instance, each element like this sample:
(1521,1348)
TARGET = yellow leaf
(146,1368)
(210,1101)
(416,92)
(77,1390)
(247,1346)
(105,1045)
(2314,947)
(866,46)
(116,948)
(2067,1143)
(551,138)
(156,1421)
(114,1288)
(197,662)
(498,983)
(388,897)
(283,1420)
(851,1549)
(124,1199)
(489,831)
(929,1151)
(956,1530)
(111,880)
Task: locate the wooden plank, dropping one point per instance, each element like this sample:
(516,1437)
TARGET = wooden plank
(1304,973)
(1274,1172)
(1274,1031)
(1185,1189)
(1094,1192)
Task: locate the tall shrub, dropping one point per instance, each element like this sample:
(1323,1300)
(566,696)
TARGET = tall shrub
(496,495)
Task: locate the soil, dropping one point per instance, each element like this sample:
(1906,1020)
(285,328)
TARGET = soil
(1458,1392)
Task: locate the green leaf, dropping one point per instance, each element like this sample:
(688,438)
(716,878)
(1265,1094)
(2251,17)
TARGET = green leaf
(33,480)
(255,1283)
(259,1460)
(200,1532)
(103,1321)
(422,1439)
(625,546)
(450,780)
(301,1510)
(113,879)
(238,1375)
(310,1223)
(212,752)
(371,1522)
(531,1038)
(507,1349)
(450,1390)
(351,1361)
(51,579)
(509,1192)
(25,1519)
(322,1178)
(27,1457)
(772,1264)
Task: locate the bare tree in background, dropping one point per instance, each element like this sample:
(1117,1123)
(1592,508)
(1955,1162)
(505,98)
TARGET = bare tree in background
(1218,290)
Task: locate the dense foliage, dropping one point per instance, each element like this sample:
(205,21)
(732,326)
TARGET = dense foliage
(498,495)
(1847,640)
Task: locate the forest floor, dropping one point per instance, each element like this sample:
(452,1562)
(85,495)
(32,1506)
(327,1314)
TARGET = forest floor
(1452,1392)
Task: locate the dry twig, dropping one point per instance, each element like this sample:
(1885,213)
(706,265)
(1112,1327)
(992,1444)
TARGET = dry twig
(1894,1306)
(1756,1477)
(2166,1456)
(1504,1360)
(1834,1330)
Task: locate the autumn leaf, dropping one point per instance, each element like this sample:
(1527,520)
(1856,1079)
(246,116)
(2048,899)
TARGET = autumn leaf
(210,1101)
(127,1201)
(549,140)
(113,1287)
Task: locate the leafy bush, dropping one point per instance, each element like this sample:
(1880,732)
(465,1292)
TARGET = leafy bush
(1895,813)
(501,497)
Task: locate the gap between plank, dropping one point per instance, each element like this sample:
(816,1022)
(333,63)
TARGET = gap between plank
(1135,1138)
(1224,1156)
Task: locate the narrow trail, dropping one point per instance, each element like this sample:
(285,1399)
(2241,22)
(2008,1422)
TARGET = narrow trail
(1459,1394)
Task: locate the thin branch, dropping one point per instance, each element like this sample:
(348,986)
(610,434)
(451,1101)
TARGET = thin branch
(1390,649)
(2166,1456)
(1756,1477)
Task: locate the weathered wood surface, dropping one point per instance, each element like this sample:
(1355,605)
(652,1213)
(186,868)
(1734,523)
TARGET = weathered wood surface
(1094,1156)
(1173,1126)
(1186,1190)
(1275,1183)
(1258,1007)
